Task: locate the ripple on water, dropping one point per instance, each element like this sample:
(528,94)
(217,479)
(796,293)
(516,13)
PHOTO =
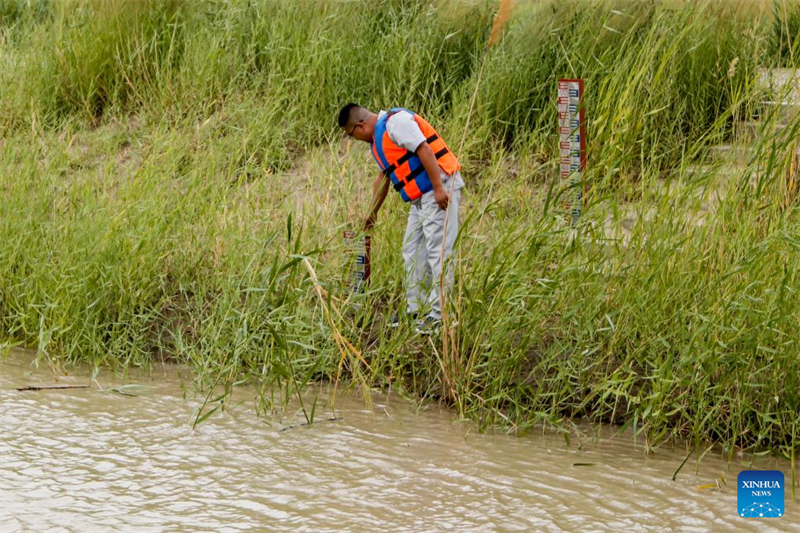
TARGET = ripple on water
(82,460)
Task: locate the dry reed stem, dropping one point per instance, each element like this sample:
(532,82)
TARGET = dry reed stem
(450,357)
(794,171)
(504,10)
(342,343)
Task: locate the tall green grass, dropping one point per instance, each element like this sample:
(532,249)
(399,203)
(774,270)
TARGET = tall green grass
(659,77)
(167,166)
(784,39)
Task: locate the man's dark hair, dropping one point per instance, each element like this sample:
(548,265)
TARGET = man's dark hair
(347,111)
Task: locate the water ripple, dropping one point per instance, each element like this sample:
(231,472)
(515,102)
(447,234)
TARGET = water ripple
(81,460)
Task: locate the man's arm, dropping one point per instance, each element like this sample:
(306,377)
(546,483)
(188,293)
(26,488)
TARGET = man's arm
(405,132)
(428,160)
(379,190)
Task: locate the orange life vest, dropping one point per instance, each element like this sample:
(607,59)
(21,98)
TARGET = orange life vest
(403,167)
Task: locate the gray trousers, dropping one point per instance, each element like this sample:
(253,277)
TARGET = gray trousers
(422,251)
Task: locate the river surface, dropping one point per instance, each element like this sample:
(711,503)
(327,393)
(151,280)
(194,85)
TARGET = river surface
(87,460)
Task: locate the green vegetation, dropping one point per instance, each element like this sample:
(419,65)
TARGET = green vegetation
(167,166)
(785,34)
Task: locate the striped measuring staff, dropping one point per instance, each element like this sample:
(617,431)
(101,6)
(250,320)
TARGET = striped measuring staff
(572,143)
(357,249)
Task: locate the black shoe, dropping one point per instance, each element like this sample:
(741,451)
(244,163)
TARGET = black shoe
(394,322)
(428,326)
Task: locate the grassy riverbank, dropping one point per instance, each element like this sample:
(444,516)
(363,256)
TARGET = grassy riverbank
(166,166)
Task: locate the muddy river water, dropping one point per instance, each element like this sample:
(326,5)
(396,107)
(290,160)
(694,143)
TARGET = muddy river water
(88,460)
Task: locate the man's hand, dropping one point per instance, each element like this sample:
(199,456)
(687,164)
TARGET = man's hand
(442,198)
(428,160)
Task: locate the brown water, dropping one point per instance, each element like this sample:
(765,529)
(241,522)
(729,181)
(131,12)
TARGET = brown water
(85,460)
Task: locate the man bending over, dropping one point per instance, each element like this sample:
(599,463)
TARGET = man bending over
(416,162)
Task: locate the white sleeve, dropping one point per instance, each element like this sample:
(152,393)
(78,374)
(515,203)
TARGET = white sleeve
(404,131)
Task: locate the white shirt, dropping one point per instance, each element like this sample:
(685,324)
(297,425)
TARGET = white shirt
(404,131)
